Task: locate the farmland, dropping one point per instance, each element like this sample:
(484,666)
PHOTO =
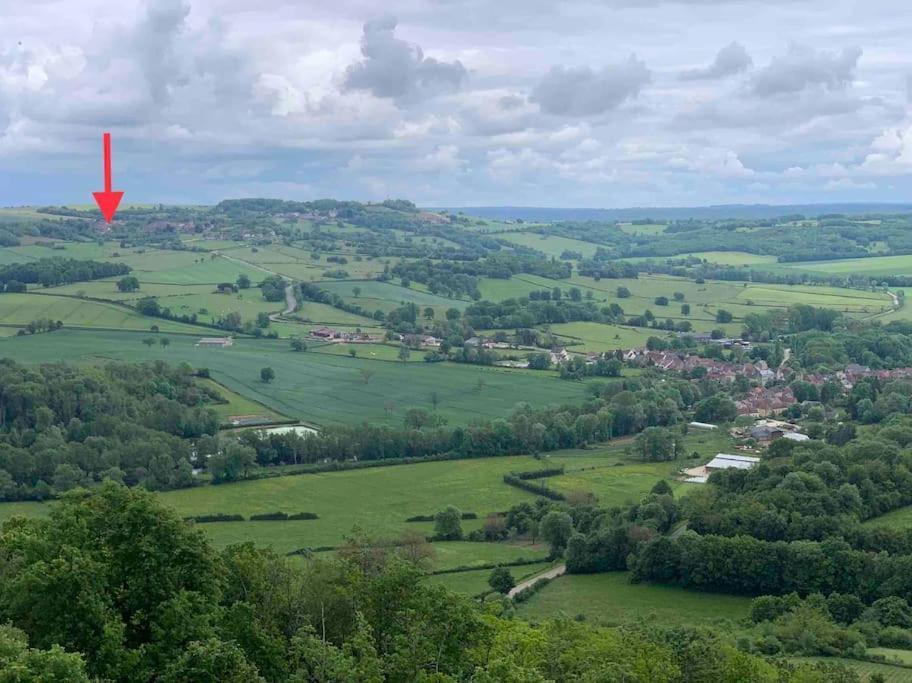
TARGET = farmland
(611,599)
(317,388)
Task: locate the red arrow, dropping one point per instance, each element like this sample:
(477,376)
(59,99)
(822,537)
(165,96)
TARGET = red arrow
(108,200)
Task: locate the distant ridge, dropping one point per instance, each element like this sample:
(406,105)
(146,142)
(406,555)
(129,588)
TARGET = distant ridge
(533,213)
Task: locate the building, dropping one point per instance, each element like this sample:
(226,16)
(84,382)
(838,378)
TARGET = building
(765,433)
(722,461)
(216,342)
(796,436)
(701,425)
(323,332)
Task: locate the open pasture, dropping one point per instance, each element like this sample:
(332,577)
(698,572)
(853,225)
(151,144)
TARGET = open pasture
(386,296)
(611,599)
(872,266)
(475,582)
(550,245)
(318,388)
(21,309)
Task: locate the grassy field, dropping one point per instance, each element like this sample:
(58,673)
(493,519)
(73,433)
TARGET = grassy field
(238,405)
(611,599)
(617,478)
(372,351)
(891,674)
(386,296)
(316,387)
(549,244)
(871,266)
(20,309)
(586,336)
(901,518)
(475,582)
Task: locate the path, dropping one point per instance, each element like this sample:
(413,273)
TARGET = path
(291,303)
(552,573)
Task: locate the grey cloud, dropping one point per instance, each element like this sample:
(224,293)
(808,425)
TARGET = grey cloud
(154,44)
(393,68)
(803,67)
(583,92)
(730,60)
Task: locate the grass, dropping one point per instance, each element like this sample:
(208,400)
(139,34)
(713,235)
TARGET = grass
(549,244)
(318,388)
(891,674)
(476,581)
(616,478)
(372,351)
(901,518)
(20,309)
(871,266)
(611,599)
(386,296)
(587,336)
(892,654)
(237,404)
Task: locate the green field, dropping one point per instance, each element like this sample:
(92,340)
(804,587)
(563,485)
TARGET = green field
(238,405)
(476,582)
(316,387)
(586,336)
(550,245)
(891,674)
(871,266)
(21,309)
(901,518)
(611,599)
(386,296)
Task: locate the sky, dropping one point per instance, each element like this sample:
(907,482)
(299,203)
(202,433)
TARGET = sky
(574,103)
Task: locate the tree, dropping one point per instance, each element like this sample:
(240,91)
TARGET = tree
(723,316)
(267,374)
(685,309)
(448,524)
(404,353)
(243,282)
(298,344)
(356,291)
(501,580)
(435,400)
(149,341)
(657,444)
(428,313)
(453,314)
(623,293)
(661,301)
(164,342)
(556,528)
(366,375)
(21,664)
(715,409)
(128,283)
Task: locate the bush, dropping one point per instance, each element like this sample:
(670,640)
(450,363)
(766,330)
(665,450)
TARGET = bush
(282,516)
(217,517)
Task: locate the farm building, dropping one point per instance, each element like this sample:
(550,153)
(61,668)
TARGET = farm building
(796,436)
(323,332)
(701,425)
(216,342)
(722,461)
(765,433)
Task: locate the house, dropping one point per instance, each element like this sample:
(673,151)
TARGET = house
(215,342)
(722,461)
(765,433)
(323,332)
(473,341)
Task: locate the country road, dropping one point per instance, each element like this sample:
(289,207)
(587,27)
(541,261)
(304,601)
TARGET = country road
(552,573)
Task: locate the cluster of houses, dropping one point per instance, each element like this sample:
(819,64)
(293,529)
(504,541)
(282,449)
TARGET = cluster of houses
(715,369)
(332,335)
(764,401)
(853,372)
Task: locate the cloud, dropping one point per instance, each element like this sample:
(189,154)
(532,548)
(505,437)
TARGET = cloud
(583,92)
(396,69)
(804,67)
(730,60)
(154,42)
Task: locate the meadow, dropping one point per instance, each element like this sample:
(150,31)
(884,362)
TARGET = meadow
(551,245)
(475,582)
(890,674)
(317,388)
(21,309)
(611,599)
(386,296)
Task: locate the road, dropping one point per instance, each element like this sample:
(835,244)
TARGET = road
(552,573)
